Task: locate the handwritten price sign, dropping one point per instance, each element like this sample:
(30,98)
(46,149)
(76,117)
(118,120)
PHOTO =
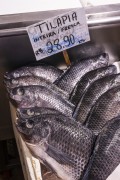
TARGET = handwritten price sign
(58,33)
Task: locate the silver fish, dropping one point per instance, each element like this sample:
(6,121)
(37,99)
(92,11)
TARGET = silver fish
(82,85)
(35,111)
(50,73)
(94,91)
(106,155)
(22,117)
(34,80)
(61,144)
(74,73)
(106,108)
(40,96)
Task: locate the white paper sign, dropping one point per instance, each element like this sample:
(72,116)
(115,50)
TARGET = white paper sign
(115,175)
(58,33)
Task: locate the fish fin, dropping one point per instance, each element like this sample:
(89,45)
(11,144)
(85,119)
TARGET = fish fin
(59,156)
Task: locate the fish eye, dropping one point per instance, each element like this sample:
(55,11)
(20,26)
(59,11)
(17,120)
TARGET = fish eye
(20,91)
(16,74)
(14,81)
(29,124)
(30,112)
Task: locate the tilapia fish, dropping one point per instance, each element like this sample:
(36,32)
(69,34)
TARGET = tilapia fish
(88,79)
(73,74)
(63,145)
(86,50)
(106,156)
(34,80)
(96,89)
(40,96)
(35,111)
(106,108)
(41,115)
(48,72)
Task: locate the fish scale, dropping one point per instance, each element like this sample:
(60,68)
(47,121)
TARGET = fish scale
(73,74)
(95,90)
(67,145)
(106,108)
(106,155)
(82,85)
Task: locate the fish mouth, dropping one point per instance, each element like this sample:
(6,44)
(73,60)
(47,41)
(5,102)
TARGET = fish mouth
(18,128)
(8,85)
(6,81)
(18,113)
(27,140)
(9,89)
(7,75)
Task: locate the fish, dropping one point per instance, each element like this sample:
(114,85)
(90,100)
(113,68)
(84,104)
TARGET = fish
(61,144)
(106,154)
(95,90)
(50,73)
(35,111)
(86,50)
(82,85)
(40,96)
(34,80)
(74,73)
(105,108)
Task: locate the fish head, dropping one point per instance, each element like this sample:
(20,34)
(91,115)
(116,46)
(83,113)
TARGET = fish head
(26,112)
(104,59)
(23,71)
(25,128)
(22,95)
(37,136)
(13,74)
(17,93)
(34,130)
(11,83)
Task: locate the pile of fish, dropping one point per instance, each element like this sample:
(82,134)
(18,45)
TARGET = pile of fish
(70,120)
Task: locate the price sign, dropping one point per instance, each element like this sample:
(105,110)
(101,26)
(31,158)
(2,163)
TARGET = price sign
(58,33)
(115,175)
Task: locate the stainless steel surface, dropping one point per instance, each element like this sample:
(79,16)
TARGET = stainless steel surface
(16,51)
(16,24)
(94,3)
(109,37)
